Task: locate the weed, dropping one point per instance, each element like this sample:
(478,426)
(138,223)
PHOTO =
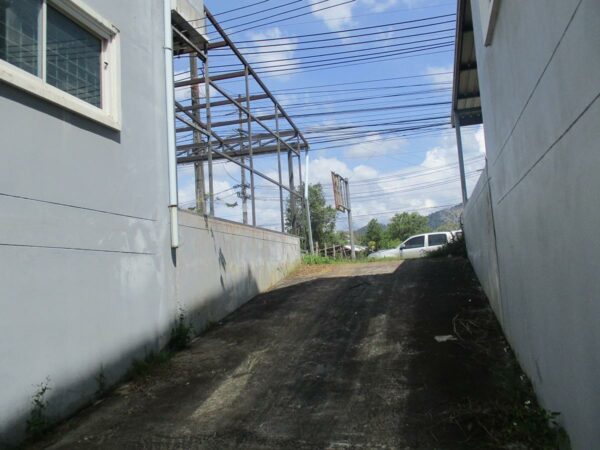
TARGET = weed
(100,382)
(181,334)
(510,416)
(143,367)
(38,422)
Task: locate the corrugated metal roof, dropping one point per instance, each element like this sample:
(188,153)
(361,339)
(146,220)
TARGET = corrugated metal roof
(465,95)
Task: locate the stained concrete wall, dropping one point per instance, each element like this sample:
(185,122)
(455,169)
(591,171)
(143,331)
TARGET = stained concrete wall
(540,89)
(87,277)
(481,242)
(222,264)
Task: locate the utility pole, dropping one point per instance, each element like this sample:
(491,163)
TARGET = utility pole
(198,165)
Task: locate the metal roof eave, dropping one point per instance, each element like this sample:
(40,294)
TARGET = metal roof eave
(466,101)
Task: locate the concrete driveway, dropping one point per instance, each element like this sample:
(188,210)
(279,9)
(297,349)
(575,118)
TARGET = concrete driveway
(339,356)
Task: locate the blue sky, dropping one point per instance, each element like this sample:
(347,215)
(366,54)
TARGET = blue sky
(391,168)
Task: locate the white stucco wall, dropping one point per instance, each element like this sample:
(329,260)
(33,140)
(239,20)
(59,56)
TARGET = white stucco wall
(88,281)
(540,93)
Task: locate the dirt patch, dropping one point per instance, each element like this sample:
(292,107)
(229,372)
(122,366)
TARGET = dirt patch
(337,356)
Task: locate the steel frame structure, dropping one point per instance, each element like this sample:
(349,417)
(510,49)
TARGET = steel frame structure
(239,143)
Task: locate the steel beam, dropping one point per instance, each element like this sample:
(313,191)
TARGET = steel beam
(223,102)
(202,80)
(249,113)
(234,49)
(233,160)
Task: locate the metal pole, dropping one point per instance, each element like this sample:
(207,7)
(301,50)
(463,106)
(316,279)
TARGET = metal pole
(279,169)
(250,143)
(293,189)
(211,196)
(198,165)
(243,172)
(350,230)
(308,220)
(461,163)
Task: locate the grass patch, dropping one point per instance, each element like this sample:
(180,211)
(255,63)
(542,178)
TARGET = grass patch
(317,259)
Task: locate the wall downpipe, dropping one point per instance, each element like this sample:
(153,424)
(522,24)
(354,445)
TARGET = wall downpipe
(170,105)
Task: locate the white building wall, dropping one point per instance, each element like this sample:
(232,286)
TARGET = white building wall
(88,281)
(540,89)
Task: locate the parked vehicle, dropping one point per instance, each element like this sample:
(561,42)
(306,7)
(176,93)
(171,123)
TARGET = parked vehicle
(418,246)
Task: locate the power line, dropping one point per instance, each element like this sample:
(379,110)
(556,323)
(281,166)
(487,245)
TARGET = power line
(221,22)
(348,30)
(236,9)
(288,18)
(370,51)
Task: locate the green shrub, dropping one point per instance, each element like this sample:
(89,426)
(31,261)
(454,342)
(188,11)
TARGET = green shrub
(456,247)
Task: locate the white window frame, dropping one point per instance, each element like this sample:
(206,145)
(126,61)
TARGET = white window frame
(488,13)
(109,114)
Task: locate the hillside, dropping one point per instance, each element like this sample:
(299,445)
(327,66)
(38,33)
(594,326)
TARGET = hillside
(450,216)
(446,216)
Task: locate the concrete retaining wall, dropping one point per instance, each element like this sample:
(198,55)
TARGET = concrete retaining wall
(222,264)
(540,93)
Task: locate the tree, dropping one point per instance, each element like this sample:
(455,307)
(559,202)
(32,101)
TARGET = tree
(373,234)
(404,225)
(322,217)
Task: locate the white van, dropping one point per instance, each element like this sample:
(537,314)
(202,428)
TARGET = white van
(418,246)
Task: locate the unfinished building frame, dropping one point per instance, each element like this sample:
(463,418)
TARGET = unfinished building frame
(214,124)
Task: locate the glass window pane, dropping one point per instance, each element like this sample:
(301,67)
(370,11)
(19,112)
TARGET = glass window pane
(19,40)
(437,239)
(416,242)
(73,58)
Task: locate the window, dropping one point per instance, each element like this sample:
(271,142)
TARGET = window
(437,239)
(64,52)
(19,34)
(416,242)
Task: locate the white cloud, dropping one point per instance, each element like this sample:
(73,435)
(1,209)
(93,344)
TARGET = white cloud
(273,58)
(378,6)
(440,74)
(374,146)
(434,182)
(335,18)
(431,183)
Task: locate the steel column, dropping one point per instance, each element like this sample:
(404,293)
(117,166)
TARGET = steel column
(279,170)
(198,165)
(211,193)
(461,162)
(243,193)
(293,189)
(252,193)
